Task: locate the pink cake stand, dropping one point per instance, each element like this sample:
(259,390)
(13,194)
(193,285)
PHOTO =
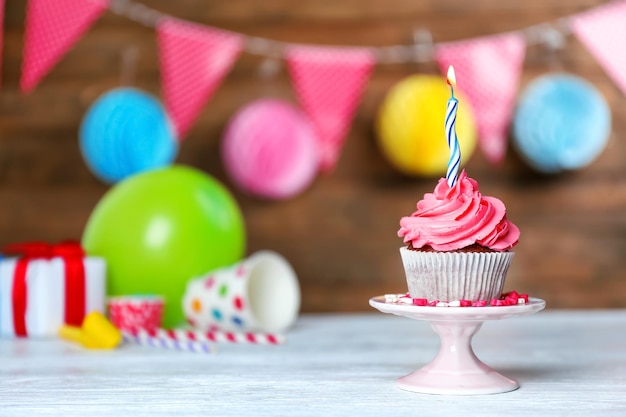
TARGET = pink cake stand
(456,370)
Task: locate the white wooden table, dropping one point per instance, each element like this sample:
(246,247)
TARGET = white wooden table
(569,363)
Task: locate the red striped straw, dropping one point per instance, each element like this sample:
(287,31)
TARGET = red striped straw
(215,336)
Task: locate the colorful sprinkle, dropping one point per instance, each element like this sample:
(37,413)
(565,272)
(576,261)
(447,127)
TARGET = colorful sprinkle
(391,298)
(238,321)
(506,299)
(238,302)
(216,314)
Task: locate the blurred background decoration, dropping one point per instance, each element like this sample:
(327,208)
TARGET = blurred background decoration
(124,132)
(160,228)
(561,123)
(269,149)
(327,190)
(409,126)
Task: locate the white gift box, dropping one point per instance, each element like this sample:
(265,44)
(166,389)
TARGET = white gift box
(46,293)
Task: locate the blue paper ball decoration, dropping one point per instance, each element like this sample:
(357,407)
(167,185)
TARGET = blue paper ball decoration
(124,132)
(561,123)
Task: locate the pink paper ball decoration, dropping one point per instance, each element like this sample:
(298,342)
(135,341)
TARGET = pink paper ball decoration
(270,150)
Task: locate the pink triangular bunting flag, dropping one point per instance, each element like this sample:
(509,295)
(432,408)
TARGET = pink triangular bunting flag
(329,83)
(603,30)
(487,70)
(52,28)
(194,60)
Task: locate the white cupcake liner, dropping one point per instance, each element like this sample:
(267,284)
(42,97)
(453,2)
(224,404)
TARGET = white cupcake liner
(451,276)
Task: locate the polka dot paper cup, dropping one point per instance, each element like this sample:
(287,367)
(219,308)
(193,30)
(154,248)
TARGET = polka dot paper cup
(260,293)
(133,313)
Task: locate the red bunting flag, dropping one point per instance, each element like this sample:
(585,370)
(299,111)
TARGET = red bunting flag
(52,28)
(603,30)
(488,70)
(194,59)
(329,83)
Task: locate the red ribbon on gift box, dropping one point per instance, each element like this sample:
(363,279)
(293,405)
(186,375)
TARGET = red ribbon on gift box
(72,254)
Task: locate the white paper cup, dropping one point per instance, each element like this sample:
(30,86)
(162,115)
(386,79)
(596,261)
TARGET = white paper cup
(452,276)
(259,294)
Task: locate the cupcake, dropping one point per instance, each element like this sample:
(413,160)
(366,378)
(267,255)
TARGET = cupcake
(459,244)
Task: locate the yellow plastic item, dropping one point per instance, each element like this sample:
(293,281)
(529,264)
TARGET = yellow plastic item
(410,126)
(96,332)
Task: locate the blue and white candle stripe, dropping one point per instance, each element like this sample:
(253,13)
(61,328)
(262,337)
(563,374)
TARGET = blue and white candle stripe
(453,142)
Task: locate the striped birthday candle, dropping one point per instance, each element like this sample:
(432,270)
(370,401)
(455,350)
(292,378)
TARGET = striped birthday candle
(450,125)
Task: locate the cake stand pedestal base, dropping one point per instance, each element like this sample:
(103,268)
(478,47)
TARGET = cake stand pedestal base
(456,370)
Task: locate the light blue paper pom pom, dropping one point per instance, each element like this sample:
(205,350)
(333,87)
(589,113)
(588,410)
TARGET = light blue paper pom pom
(124,132)
(561,123)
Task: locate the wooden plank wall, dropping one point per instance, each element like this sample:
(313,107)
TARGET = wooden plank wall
(340,235)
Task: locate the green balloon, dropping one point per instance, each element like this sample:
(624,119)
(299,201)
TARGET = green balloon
(160,228)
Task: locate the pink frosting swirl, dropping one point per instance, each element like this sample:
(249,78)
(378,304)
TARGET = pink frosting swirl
(458,217)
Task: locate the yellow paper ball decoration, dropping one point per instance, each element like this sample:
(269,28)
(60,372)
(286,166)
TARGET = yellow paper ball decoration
(410,126)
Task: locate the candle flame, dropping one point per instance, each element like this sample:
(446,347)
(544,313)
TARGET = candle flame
(451,79)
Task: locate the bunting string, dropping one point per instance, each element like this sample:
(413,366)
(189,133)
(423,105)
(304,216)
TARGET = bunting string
(421,51)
